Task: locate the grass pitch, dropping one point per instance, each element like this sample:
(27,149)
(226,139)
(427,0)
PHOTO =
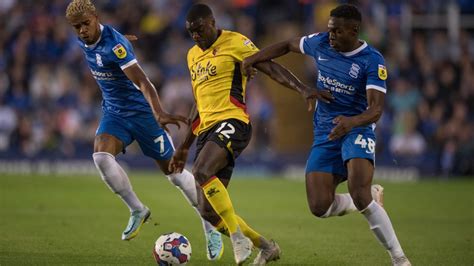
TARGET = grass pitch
(77,220)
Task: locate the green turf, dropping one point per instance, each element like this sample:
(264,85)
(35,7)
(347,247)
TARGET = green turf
(77,220)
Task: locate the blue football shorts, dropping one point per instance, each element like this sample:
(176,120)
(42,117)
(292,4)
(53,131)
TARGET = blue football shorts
(153,140)
(331,156)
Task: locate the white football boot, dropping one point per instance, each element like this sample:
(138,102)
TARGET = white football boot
(137,218)
(377,193)
(242,247)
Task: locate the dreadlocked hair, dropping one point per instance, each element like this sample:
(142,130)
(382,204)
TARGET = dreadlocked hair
(79,7)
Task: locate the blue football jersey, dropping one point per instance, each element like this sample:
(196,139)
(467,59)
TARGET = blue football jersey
(107,58)
(347,76)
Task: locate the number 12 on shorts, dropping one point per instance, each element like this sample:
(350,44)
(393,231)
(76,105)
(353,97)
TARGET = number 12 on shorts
(226,129)
(368,144)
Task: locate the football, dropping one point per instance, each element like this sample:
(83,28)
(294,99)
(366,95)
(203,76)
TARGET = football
(172,249)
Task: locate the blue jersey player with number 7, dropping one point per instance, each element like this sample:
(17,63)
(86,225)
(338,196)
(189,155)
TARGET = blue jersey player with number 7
(344,139)
(132,111)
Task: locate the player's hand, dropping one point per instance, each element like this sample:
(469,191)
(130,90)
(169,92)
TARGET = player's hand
(178,161)
(309,94)
(248,69)
(344,124)
(325,96)
(165,118)
(131,37)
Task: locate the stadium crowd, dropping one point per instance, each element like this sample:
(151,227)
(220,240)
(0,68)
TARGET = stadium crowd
(50,104)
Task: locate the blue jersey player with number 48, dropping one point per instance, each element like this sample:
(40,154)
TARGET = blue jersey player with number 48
(132,111)
(344,139)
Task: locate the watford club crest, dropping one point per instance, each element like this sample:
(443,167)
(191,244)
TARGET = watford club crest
(382,72)
(248,42)
(120,51)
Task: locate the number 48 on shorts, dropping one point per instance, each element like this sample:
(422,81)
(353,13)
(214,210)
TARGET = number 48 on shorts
(365,143)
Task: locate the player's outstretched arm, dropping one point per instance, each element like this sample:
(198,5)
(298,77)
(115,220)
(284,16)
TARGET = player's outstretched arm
(136,75)
(269,53)
(283,76)
(180,155)
(344,124)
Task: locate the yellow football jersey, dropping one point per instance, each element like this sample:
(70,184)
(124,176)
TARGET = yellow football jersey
(217,80)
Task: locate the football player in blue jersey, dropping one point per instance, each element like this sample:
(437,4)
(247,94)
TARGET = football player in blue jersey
(344,138)
(131,111)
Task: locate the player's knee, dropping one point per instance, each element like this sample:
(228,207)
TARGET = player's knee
(201,174)
(319,210)
(209,214)
(211,217)
(102,159)
(361,198)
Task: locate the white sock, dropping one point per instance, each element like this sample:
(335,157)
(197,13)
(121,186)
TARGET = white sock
(207,225)
(342,205)
(185,182)
(116,179)
(380,224)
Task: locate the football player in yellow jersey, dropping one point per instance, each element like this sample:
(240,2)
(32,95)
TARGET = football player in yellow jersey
(222,125)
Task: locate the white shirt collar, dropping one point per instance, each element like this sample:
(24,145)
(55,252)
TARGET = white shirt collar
(360,48)
(98,40)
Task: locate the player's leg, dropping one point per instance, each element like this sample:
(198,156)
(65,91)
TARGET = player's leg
(210,160)
(322,200)
(215,246)
(105,148)
(110,140)
(185,182)
(359,158)
(324,171)
(359,182)
(157,144)
(270,248)
(221,145)
(163,144)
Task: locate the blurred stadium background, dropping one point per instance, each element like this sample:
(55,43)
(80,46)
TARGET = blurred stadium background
(50,104)
(50,108)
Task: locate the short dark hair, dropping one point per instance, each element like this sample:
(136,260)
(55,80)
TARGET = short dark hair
(346,11)
(198,11)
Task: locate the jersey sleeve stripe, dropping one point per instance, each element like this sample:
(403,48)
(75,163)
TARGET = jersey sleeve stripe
(301,44)
(170,140)
(237,89)
(131,62)
(136,86)
(195,125)
(375,87)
